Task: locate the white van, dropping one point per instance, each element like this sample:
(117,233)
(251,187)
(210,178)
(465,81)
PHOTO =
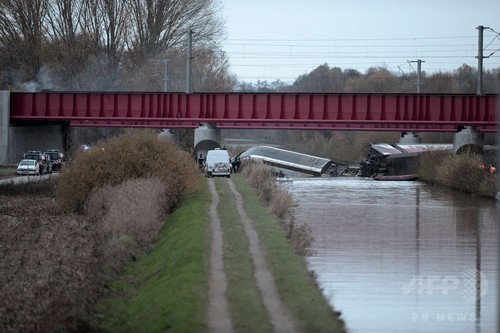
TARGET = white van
(217,163)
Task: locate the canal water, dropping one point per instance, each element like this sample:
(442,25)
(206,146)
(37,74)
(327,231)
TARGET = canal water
(402,256)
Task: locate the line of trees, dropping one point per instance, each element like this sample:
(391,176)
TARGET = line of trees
(110,44)
(328,79)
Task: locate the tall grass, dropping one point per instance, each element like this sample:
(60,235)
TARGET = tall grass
(280,203)
(134,208)
(459,172)
(130,156)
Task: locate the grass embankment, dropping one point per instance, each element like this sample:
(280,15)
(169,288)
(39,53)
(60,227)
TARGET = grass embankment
(167,288)
(458,172)
(295,284)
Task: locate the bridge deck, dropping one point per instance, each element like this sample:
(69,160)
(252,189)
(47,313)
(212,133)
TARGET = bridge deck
(374,112)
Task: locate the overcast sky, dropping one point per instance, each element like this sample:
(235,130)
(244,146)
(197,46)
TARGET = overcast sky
(282,39)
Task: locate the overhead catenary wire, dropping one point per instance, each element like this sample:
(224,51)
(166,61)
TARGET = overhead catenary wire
(275,57)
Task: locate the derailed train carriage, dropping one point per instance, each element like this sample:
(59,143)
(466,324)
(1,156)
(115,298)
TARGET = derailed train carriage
(396,159)
(294,161)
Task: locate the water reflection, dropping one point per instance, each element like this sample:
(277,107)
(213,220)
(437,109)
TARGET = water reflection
(402,256)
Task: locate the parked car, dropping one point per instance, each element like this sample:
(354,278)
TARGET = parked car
(43,160)
(28,167)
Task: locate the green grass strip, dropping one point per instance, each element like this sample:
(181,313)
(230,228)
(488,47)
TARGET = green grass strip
(166,290)
(248,313)
(295,284)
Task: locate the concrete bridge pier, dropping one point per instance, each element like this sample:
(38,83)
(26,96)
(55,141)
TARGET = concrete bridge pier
(206,137)
(16,140)
(409,138)
(468,139)
(4,125)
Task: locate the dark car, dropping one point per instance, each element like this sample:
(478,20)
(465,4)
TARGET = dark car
(56,158)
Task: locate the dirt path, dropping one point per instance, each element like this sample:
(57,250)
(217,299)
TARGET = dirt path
(219,319)
(280,318)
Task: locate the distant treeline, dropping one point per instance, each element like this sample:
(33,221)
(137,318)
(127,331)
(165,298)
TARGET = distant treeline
(326,79)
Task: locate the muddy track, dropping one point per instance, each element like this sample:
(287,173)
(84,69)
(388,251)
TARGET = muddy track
(219,317)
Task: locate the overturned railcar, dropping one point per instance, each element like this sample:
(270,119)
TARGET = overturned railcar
(290,160)
(396,159)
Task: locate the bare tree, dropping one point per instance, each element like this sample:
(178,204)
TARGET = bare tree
(441,83)
(21,33)
(211,71)
(158,25)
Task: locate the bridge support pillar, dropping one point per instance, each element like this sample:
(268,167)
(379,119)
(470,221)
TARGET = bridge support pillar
(409,138)
(206,137)
(4,125)
(37,137)
(468,139)
(16,140)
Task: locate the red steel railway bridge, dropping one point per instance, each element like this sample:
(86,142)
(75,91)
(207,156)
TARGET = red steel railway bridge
(23,114)
(372,112)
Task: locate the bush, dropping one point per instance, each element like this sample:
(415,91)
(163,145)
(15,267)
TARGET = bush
(427,163)
(460,172)
(130,156)
(261,178)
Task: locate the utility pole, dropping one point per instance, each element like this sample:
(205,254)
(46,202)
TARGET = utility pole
(189,88)
(480,58)
(419,74)
(165,76)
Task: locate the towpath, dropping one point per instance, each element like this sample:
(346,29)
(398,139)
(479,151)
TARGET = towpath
(218,313)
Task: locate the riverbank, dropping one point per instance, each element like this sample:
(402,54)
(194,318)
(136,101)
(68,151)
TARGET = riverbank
(458,172)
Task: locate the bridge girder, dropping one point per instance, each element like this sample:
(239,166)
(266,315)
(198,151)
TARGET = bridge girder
(355,112)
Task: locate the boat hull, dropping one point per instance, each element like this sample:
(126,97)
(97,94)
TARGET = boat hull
(409,177)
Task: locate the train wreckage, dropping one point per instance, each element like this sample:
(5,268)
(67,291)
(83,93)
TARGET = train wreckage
(294,161)
(397,159)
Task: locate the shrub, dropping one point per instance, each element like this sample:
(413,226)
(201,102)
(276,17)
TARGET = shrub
(280,203)
(427,163)
(460,172)
(135,154)
(261,178)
